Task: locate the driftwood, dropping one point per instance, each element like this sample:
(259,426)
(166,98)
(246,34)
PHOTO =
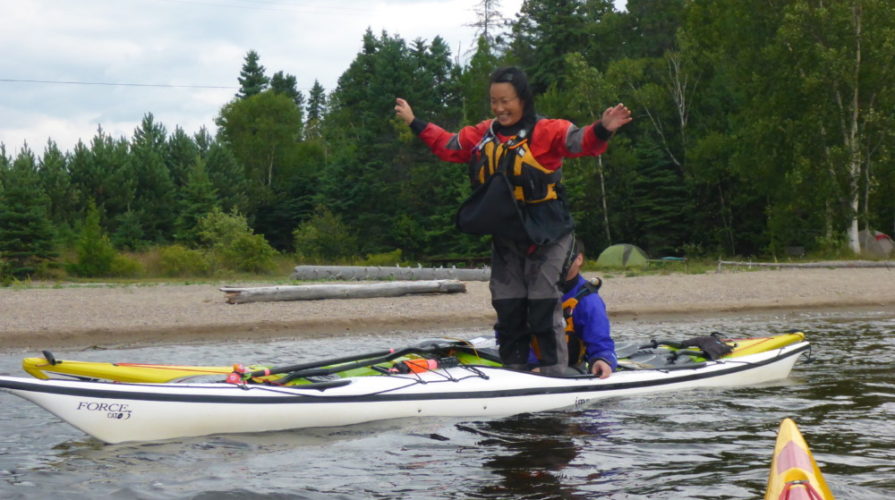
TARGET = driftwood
(811,265)
(360,273)
(236,295)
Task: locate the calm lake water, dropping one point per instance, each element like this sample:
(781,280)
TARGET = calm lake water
(703,444)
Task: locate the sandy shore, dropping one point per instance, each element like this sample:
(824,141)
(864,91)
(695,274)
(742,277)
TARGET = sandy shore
(83,316)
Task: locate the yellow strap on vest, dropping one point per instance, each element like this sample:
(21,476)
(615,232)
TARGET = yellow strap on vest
(519,194)
(567,307)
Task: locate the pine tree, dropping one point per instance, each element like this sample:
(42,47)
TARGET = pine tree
(198,198)
(544,32)
(155,191)
(316,111)
(228,177)
(26,235)
(287,85)
(475,82)
(5,162)
(102,173)
(56,182)
(94,249)
(661,204)
(203,140)
(252,80)
(180,156)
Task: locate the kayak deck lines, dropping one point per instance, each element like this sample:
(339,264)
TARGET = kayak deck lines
(354,392)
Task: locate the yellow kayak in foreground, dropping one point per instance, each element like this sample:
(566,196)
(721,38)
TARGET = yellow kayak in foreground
(794,473)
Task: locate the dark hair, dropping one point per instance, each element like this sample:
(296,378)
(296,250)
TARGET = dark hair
(517,78)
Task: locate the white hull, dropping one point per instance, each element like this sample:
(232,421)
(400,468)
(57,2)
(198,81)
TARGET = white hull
(116,412)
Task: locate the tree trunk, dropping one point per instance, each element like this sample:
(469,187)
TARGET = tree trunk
(854,167)
(236,295)
(359,273)
(603,196)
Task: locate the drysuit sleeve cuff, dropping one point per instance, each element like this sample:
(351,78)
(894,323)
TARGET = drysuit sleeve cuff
(417,126)
(612,364)
(602,132)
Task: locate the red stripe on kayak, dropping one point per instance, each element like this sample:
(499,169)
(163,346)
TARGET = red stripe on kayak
(799,491)
(792,456)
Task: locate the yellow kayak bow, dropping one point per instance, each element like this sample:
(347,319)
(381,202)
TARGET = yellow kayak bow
(794,474)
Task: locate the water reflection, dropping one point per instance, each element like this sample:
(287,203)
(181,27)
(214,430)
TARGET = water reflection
(690,444)
(529,454)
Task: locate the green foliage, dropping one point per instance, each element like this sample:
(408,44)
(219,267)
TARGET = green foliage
(56,183)
(6,276)
(261,131)
(232,245)
(249,253)
(217,229)
(544,31)
(757,126)
(181,153)
(128,232)
(125,267)
(180,261)
(101,172)
(474,82)
(252,80)
(287,85)
(316,112)
(324,238)
(228,177)
(196,199)
(26,235)
(392,258)
(95,253)
(155,190)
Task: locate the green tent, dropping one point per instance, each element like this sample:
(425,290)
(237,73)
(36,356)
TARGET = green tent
(623,255)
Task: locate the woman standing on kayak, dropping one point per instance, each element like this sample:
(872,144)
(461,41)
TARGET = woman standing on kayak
(515,165)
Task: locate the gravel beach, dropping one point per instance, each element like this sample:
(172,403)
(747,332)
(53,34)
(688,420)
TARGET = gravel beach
(94,315)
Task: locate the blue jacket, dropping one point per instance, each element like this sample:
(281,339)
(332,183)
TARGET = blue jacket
(592,325)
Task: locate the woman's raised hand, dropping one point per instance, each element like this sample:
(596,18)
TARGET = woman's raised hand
(615,117)
(403,110)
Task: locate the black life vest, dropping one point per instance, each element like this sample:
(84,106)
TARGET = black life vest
(513,196)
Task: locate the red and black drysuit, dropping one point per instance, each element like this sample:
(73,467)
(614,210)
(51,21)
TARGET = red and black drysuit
(515,172)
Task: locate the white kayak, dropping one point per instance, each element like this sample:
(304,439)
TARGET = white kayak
(119,412)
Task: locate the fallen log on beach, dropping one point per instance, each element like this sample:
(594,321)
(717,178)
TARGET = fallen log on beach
(365,273)
(238,295)
(811,265)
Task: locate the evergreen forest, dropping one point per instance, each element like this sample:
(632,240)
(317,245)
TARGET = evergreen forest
(759,125)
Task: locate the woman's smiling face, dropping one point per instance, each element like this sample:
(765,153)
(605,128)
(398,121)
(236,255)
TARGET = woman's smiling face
(505,104)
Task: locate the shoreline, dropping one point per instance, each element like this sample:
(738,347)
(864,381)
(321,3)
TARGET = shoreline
(82,317)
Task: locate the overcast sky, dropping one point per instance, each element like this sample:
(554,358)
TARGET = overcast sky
(180,59)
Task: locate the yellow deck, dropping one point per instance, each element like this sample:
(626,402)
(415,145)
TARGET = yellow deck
(794,474)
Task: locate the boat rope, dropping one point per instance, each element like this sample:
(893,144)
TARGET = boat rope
(808,355)
(441,372)
(412,378)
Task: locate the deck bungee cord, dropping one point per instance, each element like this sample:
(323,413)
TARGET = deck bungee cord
(413,378)
(146,403)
